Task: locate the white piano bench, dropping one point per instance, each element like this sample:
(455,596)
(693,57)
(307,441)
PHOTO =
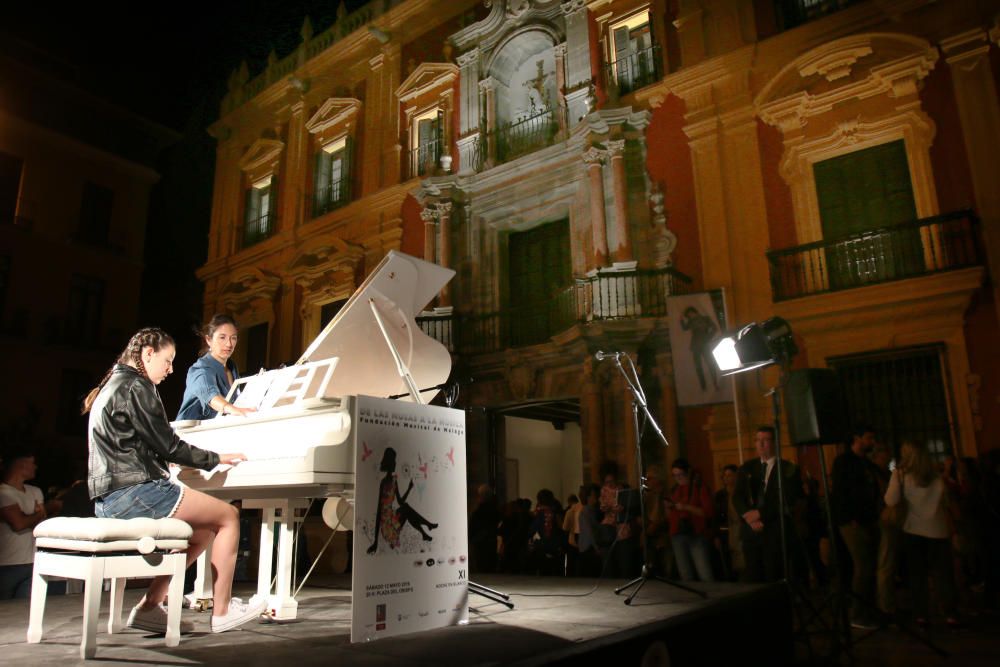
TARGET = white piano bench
(97,549)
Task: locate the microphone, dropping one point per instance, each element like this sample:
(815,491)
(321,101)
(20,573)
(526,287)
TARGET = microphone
(601,356)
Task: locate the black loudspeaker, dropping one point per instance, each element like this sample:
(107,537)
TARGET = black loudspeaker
(817,413)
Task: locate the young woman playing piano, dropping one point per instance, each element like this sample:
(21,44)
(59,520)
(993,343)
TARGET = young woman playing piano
(210,378)
(131,443)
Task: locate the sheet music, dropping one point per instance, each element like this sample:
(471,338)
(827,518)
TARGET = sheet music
(251,395)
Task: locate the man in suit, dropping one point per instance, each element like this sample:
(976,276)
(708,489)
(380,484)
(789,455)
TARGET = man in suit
(755,498)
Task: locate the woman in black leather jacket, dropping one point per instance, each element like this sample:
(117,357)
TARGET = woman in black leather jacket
(131,443)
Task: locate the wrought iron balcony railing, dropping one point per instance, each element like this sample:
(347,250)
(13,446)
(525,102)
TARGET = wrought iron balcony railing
(635,71)
(330,197)
(516,138)
(606,296)
(921,247)
(424,159)
(258,229)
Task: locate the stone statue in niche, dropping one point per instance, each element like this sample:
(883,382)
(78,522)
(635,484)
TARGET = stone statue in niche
(538,94)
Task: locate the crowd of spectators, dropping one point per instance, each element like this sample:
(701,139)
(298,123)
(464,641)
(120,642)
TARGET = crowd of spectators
(912,532)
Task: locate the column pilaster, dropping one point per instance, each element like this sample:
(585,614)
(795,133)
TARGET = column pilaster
(594,159)
(623,236)
(967,54)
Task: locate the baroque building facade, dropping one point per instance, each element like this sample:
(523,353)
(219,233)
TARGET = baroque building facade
(576,163)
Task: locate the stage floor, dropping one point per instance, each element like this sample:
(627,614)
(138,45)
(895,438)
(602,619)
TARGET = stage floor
(554,620)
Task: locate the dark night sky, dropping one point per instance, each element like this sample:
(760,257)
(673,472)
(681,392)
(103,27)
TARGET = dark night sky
(173,58)
(170,63)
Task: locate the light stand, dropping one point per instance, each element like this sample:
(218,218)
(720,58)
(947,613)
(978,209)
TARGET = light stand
(639,403)
(757,346)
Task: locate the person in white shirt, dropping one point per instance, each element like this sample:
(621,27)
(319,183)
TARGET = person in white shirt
(927,530)
(22,507)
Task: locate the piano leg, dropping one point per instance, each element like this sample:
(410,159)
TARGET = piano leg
(201,598)
(280,511)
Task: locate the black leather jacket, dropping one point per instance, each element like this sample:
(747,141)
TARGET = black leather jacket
(130,439)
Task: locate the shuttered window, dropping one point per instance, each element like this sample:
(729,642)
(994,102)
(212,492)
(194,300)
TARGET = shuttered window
(333,176)
(539,270)
(861,194)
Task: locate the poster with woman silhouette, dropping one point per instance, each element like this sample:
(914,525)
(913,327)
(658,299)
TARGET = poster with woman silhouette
(410,569)
(696,322)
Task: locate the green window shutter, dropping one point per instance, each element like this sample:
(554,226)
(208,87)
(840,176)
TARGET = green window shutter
(250,212)
(347,169)
(539,269)
(319,184)
(272,207)
(860,194)
(864,190)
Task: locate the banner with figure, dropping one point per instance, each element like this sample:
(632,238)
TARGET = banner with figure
(410,569)
(696,322)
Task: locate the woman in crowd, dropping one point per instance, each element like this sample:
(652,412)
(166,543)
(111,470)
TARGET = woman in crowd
(927,530)
(690,506)
(210,378)
(131,443)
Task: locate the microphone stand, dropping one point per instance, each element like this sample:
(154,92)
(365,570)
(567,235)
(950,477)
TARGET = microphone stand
(639,403)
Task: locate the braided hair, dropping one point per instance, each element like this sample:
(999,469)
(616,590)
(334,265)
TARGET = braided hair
(132,355)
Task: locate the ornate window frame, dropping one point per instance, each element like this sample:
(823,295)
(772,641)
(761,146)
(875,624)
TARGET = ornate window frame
(816,127)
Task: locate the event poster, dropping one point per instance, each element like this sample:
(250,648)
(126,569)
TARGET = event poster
(696,323)
(411,558)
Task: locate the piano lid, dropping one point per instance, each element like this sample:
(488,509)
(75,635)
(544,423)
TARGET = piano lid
(400,286)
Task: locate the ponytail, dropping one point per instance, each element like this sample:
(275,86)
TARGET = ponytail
(131,355)
(208,329)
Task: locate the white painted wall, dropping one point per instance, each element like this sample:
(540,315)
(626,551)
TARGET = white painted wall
(547,458)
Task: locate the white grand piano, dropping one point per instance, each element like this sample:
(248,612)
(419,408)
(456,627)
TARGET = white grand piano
(300,443)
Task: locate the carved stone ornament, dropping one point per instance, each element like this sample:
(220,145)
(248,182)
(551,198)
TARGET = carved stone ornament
(325,255)
(430,214)
(246,287)
(594,156)
(468,58)
(522,378)
(616,147)
(517,8)
(425,78)
(860,66)
(260,153)
(335,111)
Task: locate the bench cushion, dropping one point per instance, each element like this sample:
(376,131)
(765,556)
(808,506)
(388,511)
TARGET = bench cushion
(96,535)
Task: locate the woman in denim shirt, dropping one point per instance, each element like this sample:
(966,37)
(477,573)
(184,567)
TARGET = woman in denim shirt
(210,378)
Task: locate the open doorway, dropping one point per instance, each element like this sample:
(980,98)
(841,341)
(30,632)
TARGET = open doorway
(544,458)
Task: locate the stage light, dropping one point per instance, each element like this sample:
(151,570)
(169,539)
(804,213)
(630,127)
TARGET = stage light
(754,346)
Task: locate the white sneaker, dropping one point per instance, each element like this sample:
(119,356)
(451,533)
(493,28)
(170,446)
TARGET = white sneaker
(239,613)
(154,620)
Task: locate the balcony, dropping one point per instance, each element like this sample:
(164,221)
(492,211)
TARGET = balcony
(635,71)
(606,296)
(917,248)
(515,139)
(258,229)
(331,197)
(424,159)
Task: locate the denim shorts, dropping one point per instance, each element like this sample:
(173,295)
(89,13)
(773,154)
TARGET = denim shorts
(155,499)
